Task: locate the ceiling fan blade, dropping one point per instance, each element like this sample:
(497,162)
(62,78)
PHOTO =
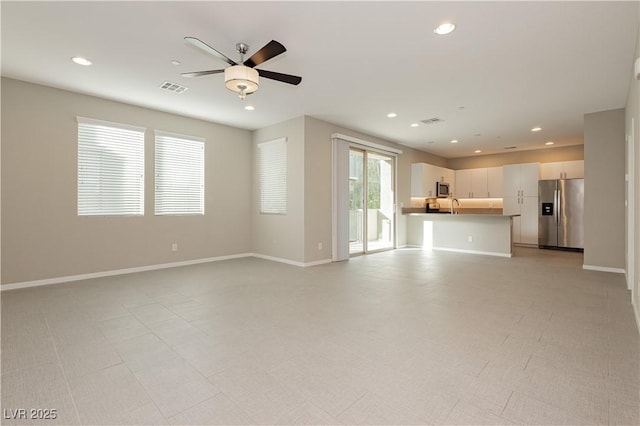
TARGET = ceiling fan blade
(270,50)
(285,78)
(210,50)
(201,73)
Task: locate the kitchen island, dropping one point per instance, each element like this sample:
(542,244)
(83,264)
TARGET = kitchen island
(488,234)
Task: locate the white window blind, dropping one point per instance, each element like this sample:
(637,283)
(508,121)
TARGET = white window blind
(110,168)
(179,174)
(273,176)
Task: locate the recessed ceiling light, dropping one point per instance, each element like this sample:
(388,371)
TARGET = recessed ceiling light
(175,62)
(392,115)
(414,124)
(454,140)
(536,129)
(81,61)
(444,28)
(477,151)
(549,143)
(249,107)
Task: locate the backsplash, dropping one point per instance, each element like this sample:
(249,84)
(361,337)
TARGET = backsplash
(465,203)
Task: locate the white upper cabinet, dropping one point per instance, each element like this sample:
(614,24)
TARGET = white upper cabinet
(494,182)
(479,183)
(463,184)
(562,170)
(424,177)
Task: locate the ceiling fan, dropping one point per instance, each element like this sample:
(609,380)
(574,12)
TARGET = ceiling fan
(243,77)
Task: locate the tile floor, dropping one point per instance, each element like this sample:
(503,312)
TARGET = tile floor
(400,337)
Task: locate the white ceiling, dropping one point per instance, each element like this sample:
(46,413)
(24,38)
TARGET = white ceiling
(507,67)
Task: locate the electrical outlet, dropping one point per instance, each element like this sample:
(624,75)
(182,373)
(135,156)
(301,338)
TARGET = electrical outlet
(470,238)
(319,246)
(174,247)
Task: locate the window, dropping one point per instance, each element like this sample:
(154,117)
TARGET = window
(179,174)
(272,158)
(110,168)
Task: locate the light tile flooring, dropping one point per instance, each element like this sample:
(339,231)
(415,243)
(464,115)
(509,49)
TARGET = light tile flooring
(399,337)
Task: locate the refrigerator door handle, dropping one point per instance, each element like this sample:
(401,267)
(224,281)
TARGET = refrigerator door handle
(556,203)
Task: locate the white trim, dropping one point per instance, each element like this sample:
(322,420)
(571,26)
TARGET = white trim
(485,253)
(636,311)
(60,280)
(163,133)
(603,269)
(368,144)
(318,262)
(70,278)
(93,121)
(291,262)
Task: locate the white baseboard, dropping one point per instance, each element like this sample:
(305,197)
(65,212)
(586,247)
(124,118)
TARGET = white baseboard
(486,253)
(603,269)
(636,311)
(60,280)
(291,262)
(70,278)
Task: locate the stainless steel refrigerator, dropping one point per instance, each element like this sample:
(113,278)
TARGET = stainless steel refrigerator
(560,214)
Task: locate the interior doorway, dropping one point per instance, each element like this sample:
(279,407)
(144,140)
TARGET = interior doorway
(371,201)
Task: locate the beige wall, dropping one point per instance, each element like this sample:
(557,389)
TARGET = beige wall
(548,155)
(282,236)
(42,235)
(604,226)
(318,169)
(297,235)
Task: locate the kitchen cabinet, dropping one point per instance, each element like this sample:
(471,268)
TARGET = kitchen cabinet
(479,183)
(562,170)
(424,177)
(463,184)
(520,186)
(494,182)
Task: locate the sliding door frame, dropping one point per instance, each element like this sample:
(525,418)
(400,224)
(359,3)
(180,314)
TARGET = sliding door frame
(341,144)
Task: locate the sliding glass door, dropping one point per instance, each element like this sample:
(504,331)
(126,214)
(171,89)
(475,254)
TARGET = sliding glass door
(371,201)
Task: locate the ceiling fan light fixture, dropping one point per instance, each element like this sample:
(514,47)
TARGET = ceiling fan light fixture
(241,80)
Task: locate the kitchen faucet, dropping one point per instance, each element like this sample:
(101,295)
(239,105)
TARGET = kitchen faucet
(457,202)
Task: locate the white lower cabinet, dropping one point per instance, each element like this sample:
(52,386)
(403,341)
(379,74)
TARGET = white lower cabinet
(525,226)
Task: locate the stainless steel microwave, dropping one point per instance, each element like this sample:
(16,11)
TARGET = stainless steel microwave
(442,190)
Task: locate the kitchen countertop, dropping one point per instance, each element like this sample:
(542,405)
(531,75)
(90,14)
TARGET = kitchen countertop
(462,214)
(461,211)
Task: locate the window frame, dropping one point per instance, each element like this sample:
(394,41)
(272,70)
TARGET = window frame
(278,177)
(161,136)
(84,162)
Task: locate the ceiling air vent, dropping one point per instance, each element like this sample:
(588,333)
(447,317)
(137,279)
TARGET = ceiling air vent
(173,87)
(510,147)
(432,120)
